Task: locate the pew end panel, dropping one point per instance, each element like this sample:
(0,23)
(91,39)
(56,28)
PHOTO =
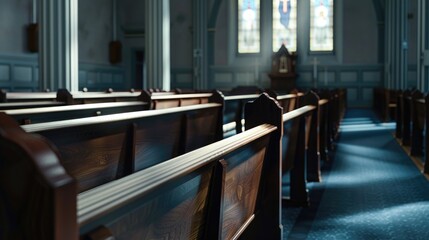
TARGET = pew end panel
(3,97)
(399,108)
(266,110)
(63,95)
(406,118)
(312,138)
(38,198)
(417,123)
(426,146)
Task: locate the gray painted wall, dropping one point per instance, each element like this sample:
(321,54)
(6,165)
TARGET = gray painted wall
(95,31)
(181,33)
(359,32)
(15,15)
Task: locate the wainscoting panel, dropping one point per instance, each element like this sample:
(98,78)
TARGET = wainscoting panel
(21,73)
(358,79)
(372,76)
(99,77)
(4,73)
(348,77)
(18,72)
(181,78)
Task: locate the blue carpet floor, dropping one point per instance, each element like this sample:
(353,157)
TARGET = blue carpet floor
(370,189)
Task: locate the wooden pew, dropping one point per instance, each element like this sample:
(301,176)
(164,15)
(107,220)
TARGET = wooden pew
(220,191)
(426,145)
(312,137)
(327,141)
(234,112)
(26,96)
(399,108)
(99,149)
(324,137)
(18,100)
(296,127)
(63,95)
(385,103)
(295,141)
(49,114)
(162,101)
(417,123)
(406,118)
(234,109)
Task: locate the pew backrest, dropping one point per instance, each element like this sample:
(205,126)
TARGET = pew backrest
(63,95)
(99,149)
(161,101)
(57,113)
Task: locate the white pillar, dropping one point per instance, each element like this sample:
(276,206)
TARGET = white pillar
(58,57)
(157,44)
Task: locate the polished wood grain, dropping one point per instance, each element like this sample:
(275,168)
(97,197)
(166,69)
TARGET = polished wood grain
(56,113)
(96,150)
(172,199)
(37,199)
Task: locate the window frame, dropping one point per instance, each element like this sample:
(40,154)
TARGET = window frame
(322,52)
(237,23)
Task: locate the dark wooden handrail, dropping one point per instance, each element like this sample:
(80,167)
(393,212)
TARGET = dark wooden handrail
(111,118)
(71,107)
(100,201)
(297,112)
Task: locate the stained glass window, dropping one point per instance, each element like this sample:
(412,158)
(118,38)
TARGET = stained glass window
(284,24)
(248,26)
(321,25)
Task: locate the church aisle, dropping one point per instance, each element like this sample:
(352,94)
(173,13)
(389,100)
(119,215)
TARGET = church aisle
(371,189)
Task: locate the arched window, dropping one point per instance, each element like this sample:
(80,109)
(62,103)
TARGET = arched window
(284,24)
(321,25)
(249,26)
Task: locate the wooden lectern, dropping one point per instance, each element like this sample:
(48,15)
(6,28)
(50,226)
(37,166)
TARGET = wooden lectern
(283,75)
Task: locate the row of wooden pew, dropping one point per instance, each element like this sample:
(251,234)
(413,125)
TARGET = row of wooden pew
(385,103)
(165,173)
(412,125)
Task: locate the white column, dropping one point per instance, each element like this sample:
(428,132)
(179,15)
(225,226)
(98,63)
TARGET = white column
(157,44)
(200,44)
(58,44)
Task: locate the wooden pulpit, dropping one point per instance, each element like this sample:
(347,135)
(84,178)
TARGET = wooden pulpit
(283,75)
